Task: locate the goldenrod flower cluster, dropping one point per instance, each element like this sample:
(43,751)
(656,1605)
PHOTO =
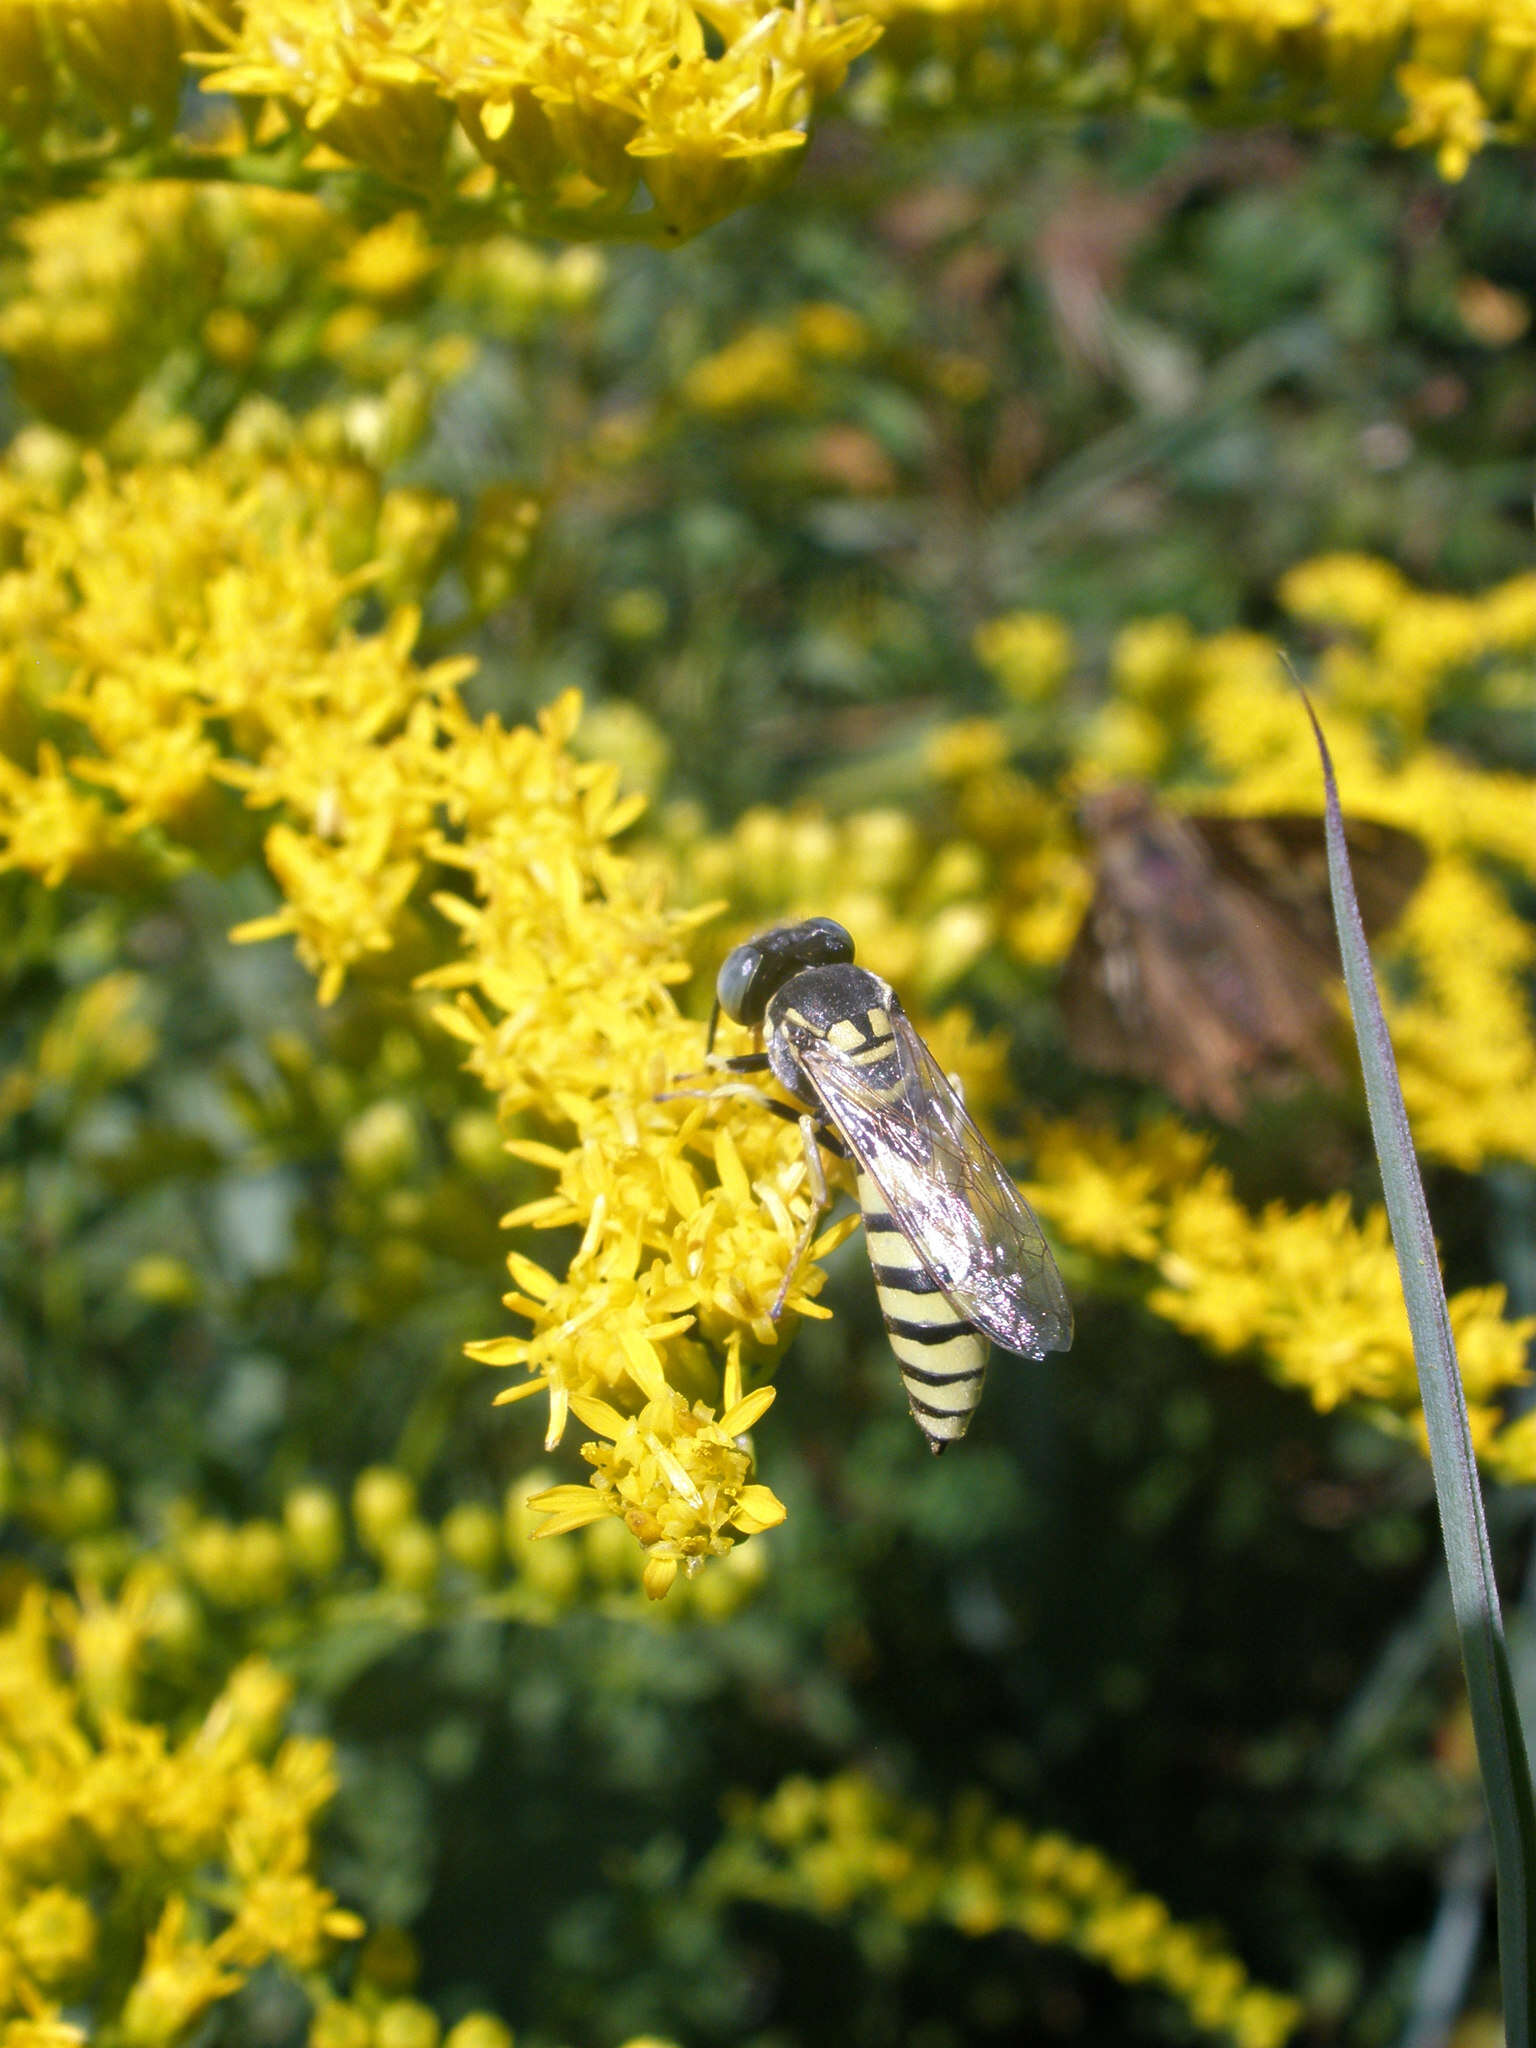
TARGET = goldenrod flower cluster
(1432,74)
(119,304)
(562,996)
(144,1876)
(771,365)
(160,616)
(174,604)
(335,1562)
(108,286)
(665,113)
(68,72)
(656,117)
(845,1848)
(1314,1290)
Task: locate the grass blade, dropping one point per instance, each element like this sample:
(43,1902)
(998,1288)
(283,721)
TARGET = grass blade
(1474,1595)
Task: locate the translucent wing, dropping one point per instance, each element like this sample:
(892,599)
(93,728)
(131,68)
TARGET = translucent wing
(944,1186)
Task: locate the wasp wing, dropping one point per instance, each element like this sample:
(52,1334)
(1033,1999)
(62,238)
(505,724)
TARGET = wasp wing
(945,1187)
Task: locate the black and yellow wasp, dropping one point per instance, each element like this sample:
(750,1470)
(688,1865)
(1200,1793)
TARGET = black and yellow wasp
(957,1254)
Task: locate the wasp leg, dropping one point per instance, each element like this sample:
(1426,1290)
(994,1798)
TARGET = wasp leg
(821,1131)
(743,1063)
(728,1091)
(825,1135)
(816,1174)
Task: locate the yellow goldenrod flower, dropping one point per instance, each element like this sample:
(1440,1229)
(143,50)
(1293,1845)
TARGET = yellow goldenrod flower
(126,54)
(842,1845)
(411,1558)
(213,1842)
(480,2030)
(1313,1290)
(678,1479)
(338,2024)
(54,1937)
(1448,112)
(833,333)
(390,261)
(285,1914)
(1154,660)
(570,104)
(1109,1196)
(759,368)
(353,78)
(1030,653)
(406,2023)
(180,1978)
(313,1530)
(1357,591)
(471,1538)
(49,827)
(383,1503)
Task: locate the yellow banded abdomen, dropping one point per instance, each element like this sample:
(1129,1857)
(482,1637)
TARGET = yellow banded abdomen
(943,1358)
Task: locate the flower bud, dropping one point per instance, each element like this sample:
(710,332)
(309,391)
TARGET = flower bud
(406,2023)
(381,1146)
(339,2025)
(471,1535)
(383,1500)
(313,1530)
(86,1501)
(409,1555)
(54,1937)
(479,2030)
(1030,653)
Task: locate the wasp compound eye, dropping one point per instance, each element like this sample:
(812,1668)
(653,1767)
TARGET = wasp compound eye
(734,992)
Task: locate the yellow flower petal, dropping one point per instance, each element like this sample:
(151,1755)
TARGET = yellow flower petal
(758,1508)
(738,1420)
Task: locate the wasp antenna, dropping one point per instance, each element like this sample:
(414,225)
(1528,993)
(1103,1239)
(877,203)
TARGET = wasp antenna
(714,1024)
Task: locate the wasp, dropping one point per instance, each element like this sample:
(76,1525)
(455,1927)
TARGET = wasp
(959,1259)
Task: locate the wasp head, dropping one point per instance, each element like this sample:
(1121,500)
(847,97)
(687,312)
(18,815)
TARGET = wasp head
(754,973)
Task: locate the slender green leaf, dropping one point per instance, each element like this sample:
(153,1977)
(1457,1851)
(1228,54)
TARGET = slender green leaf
(1474,1595)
